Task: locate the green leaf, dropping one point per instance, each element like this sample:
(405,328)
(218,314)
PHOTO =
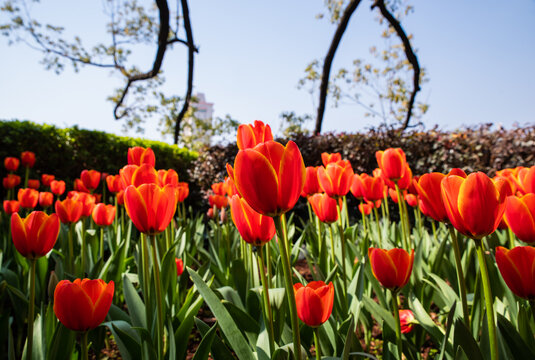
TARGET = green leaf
(219,350)
(449,326)
(206,344)
(62,344)
(379,312)
(127,339)
(463,337)
(135,304)
(518,348)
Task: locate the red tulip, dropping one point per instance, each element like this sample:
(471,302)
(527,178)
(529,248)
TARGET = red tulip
(88,201)
(166,177)
(126,174)
(404,183)
(251,135)
(430,195)
(11,206)
(114,183)
(80,187)
(357,186)
(57,187)
(150,207)
(254,228)
(46,199)
(138,155)
(312,185)
(336,178)
(270,177)
(28,198)
(327,158)
(517,267)
(33,184)
(219,188)
(520,216)
(83,304)
(373,188)
(230,187)
(69,210)
(145,174)
(179,266)
(27,158)
(366,208)
(182,191)
(393,195)
(314,302)
(526,180)
(324,207)
(103,215)
(46,179)
(407,321)
(210,213)
(11,181)
(391,267)
(11,163)
(474,205)
(90,178)
(35,235)
(458,172)
(392,162)
(218,201)
(411,199)
(120,197)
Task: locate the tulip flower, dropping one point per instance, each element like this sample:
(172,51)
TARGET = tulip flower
(218,201)
(403,183)
(33,184)
(83,304)
(28,198)
(357,186)
(114,183)
(103,215)
(327,158)
(336,178)
(57,187)
(179,266)
(88,201)
(219,188)
(182,191)
(27,158)
(166,177)
(391,267)
(46,179)
(392,163)
(520,216)
(69,210)
(120,197)
(80,187)
(474,205)
(90,178)
(430,195)
(406,317)
(230,187)
(324,207)
(411,199)
(150,207)
(526,180)
(11,206)
(35,235)
(393,195)
(251,135)
(144,174)
(45,199)
(254,228)
(11,163)
(458,172)
(270,176)
(11,181)
(138,155)
(126,174)
(314,302)
(210,213)
(517,267)
(366,208)
(311,186)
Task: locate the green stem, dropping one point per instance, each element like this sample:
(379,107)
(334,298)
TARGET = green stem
(402,219)
(398,323)
(434,227)
(268,264)
(26,176)
(84,248)
(267,303)
(532,305)
(146,278)
(280,224)
(379,233)
(460,275)
(488,301)
(333,254)
(407,223)
(71,251)
(511,238)
(346,214)
(102,243)
(84,350)
(159,304)
(343,245)
(31,308)
(317,342)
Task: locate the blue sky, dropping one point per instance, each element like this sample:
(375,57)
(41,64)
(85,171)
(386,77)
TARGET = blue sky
(479,57)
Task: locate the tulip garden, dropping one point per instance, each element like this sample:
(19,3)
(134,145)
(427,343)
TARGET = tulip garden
(429,266)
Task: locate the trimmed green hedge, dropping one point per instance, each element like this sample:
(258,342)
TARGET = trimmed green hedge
(66,152)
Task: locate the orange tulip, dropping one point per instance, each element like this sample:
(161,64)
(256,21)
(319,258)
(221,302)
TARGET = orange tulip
(88,201)
(28,198)
(11,181)
(458,172)
(166,177)
(254,228)
(27,158)
(373,188)
(182,191)
(57,187)
(404,183)
(526,180)
(251,135)
(179,266)
(145,174)
(474,205)
(312,185)
(411,199)
(120,197)
(392,268)
(150,207)
(430,195)
(230,187)
(103,215)
(83,304)
(393,195)
(392,163)
(357,186)
(407,321)
(114,183)
(324,207)
(336,178)
(219,188)
(517,267)
(90,178)
(314,302)
(46,199)
(366,208)
(35,235)
(33,184)
(79,186)
(218,201)
(69,210)
(126,174)
(11,206)
(327,158)
(270,177)
(46,179)
(11,163)
(520,216)
(138,155)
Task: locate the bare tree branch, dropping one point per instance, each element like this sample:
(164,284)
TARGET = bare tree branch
(411,56)
(342,26)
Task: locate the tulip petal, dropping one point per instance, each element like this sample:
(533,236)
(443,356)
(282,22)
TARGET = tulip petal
(450,186)
(291,176)
(18,233)
(136,207)
(309,306)
(520,218)
(384,268)
(72,306)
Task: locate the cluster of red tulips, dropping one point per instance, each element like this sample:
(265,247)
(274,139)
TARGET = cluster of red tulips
(403,275)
